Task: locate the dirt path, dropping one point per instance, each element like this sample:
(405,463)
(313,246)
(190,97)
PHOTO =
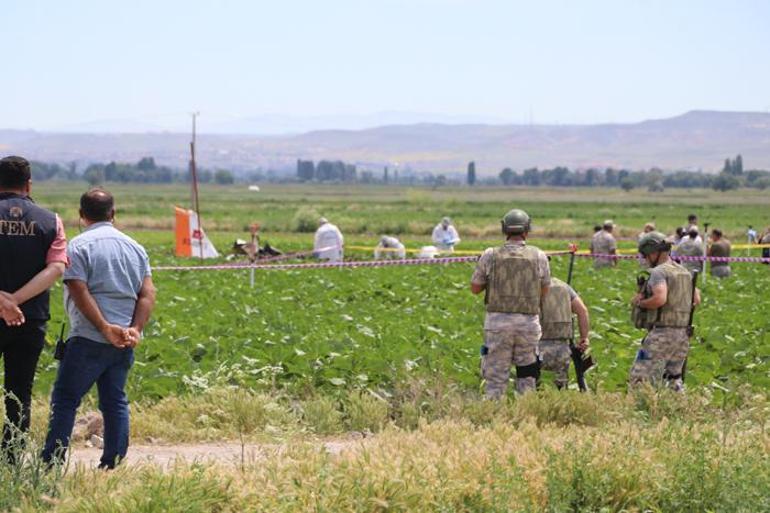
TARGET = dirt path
(225,453)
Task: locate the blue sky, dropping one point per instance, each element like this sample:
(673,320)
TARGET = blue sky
(558,61)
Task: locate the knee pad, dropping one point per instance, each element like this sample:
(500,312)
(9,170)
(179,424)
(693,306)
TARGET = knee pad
(529,371)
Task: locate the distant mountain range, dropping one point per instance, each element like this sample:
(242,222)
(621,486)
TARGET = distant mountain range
(695,140)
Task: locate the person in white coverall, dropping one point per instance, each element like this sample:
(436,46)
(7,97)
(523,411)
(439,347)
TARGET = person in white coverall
(389,247)
(328,242)
(445,235)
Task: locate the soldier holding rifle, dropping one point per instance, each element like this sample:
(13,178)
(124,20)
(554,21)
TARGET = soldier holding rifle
(663,306)
(557,343)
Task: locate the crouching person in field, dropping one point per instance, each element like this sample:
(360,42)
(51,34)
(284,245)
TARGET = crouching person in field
(556,312)
(109,296)
(389,248)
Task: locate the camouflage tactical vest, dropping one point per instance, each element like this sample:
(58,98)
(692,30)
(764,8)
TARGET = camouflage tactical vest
(556,314)
(676,312)
(514,286)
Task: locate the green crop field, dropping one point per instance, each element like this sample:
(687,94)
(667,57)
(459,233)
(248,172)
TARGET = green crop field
(379,328)
(384,361)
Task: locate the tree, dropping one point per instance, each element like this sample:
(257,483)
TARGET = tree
(94,175)
(725,182)
(223,177)
(507,176)
(728,167)
(146,164)
(385,179)
(627,184)
(531,176)
(305,170)
(592,177)
(471,173)
(738,165)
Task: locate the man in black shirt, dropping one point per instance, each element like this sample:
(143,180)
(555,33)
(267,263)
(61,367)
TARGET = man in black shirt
(33,255)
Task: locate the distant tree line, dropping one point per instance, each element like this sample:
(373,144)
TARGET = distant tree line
(144,171)
(327,171)
(731,177)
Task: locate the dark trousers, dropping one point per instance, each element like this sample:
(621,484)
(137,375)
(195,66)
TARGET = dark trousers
(20,348)
(87,362)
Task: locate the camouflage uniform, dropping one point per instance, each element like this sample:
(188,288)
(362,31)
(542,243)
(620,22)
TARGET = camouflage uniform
(511,327)
(690,247)
(603,243)
(556,323)
(720,248)
(664,349)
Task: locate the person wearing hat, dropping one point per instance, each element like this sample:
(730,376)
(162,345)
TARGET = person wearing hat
(515,278)
(663,308)
(445,236)
(603,243)
(692,246)
(328,243)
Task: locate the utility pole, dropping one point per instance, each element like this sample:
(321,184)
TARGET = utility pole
(198,234)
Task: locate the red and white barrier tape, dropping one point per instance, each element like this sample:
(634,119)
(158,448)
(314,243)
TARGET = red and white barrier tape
(416,261)
(320,265)
(682,258)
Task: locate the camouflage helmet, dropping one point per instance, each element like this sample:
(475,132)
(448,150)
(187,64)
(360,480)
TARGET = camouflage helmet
(515,222)
(652,242)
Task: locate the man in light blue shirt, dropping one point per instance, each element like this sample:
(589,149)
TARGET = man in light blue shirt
(109,297)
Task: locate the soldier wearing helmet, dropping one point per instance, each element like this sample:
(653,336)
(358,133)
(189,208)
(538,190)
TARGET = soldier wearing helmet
(515,278)
(663,308)
(603,243)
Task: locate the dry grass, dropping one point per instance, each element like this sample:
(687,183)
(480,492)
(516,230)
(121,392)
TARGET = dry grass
(454,465)
(436,450)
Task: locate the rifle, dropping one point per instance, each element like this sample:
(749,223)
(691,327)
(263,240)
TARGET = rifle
(581,361)
(690,327)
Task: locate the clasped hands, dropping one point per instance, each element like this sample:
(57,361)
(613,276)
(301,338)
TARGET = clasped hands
(120,337)
(10,311)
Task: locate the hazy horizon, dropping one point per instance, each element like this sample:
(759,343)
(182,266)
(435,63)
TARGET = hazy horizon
(149,64)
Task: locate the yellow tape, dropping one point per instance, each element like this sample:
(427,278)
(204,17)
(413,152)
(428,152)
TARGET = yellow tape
(750,246)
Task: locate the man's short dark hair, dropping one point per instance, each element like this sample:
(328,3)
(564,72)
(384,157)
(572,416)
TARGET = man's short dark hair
(716,232)
(693,234)
(692,217)
(97,205)
(597,228)
(14,172)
